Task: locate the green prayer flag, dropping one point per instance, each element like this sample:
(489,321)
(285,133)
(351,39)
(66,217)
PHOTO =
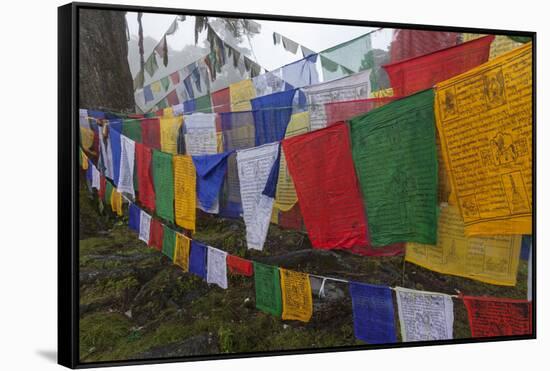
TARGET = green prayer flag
(163,181)
(268,289)
(151,65)
(203,104)
(395,157)
(108,190)
(131,128)
(521,39)
(168,242)
(165,82)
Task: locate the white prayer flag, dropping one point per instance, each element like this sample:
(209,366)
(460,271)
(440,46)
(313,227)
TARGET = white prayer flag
(424,315)
(144,226)
(216,271)
(96,178)
(106,154)
(352,87)
(126,178)
(200,134)
(254,166)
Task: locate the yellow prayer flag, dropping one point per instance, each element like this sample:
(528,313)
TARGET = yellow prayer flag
(185,199)
(84,160)
(296,294)
(274,216)
(168,112)
(500,45)
(155,87)
(492,259)
(285,195)
(382,93)
(219,142)
(86,137)
(240,94)
(169,128)
(484,121)
(181,252)
(116,202)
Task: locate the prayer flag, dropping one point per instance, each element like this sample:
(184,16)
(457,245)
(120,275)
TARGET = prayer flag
(407,44)
(144,226)
(240,95)
(346,110)
(200,134)
(296,295)
(197,259)
(484,121)
(156,234)
(271,116)
(396,161)
(211,171)
(134,213)
(169,128)
(240,266)
(114,137)
(424,316)
(146,194)
(184,192)
(181,251)
(498,317)
(127,157)
(131,128)
(216,271)
(168,242)
(373,313)
(268,289)
(163,180)
(150,132)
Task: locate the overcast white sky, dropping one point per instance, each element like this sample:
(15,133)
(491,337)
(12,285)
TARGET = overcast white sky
(316,37)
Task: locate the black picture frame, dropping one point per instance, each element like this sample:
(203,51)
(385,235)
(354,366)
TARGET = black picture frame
(68,207)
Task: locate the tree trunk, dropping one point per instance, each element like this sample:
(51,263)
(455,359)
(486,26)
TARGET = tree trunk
(105,79)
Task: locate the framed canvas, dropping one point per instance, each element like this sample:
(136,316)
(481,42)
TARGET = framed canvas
(240,185)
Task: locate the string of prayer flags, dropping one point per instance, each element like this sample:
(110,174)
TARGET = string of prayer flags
(373,313)
(498,317)
(396,161)
(185,198)
(423,72)
(197,259)
(254,166)
(163,180)
(240,266)
(144,226)
(484,121)
(156,234)
(240,95)
(200,134)
(169,129)
(211,170)
(127,157)
(346,110)
(268,289)
(407,44)
(216,271)
(347,88)
(131,128)
(321,167)
(150,132)
(146,195)
(168,242)
(491,259)
(424,316)
(134,213)
(271,116)
(182,251)
(296,295)
(285,195)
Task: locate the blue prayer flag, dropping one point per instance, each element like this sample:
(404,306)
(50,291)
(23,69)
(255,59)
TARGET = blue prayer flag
(271,116)
(114,137)
(526,241)
(211,171)
(197,259)
(271,184)
(134,213)
(189,106)
(148,93)
(373,313)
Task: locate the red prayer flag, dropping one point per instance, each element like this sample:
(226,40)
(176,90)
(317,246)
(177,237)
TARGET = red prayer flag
(175,77)
(239,266)
(172,98)
(221,101)
(146,193)
(408,44)
(498,317)
(423,72)
(322,169)
(102,186)
(156,234)
(150,132)
(343,111)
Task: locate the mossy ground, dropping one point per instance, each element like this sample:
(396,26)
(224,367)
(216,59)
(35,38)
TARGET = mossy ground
(134,303)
